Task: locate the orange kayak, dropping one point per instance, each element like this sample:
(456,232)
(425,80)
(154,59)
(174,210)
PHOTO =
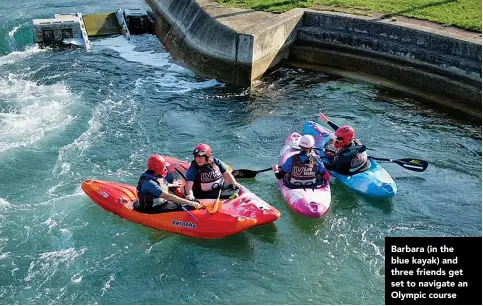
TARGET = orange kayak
(119,198)
(246,205)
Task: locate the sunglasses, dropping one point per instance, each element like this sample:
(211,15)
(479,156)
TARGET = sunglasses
(199,152)
(339,139)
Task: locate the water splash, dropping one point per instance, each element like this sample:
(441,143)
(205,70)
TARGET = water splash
(29,111)
(20,55)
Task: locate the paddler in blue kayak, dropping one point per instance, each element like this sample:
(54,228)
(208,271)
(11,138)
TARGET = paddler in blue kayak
(206,175)
(153,189)
(345,154)
(305,169)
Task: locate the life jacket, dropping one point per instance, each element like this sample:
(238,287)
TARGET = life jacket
(303,173)
(208,177)
(359,161)
(347,160)
(145,198)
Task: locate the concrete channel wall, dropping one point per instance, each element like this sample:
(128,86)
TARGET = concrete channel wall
(426,63)
(232,45)
(238,46)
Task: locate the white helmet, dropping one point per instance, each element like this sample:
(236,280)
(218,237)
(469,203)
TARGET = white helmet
(307,142)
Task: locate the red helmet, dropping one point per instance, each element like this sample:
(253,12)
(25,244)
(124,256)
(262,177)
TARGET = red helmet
(345,134)
(158,164)
(202,149)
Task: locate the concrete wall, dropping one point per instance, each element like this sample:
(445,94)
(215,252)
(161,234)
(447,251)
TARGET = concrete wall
(271,41)
(238,46)
(461,56)
(232,45)
(201,42)
(432,66)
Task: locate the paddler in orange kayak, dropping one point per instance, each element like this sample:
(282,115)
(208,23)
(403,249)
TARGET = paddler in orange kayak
(206,175)
(153,189)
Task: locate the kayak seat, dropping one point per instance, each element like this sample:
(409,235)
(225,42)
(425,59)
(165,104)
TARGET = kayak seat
(312,186)
(320,182)
(226,193)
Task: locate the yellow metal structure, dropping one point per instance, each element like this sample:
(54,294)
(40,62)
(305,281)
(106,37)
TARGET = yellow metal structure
(102,24)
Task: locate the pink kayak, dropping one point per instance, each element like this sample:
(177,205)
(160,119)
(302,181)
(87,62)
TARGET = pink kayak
(310,202)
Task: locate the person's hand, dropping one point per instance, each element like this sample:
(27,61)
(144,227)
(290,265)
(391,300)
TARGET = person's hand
(323,118)
(196,204)
(326,176)
(236,185)
(190,197)
(275,168)
(176,183)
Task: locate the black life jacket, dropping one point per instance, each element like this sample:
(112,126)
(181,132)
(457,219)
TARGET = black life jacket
(145,198)
(349,160)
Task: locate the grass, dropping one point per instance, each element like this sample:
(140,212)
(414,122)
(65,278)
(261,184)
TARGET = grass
(465,14)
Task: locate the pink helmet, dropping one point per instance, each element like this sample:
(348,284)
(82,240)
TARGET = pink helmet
(202,149)
(345,134)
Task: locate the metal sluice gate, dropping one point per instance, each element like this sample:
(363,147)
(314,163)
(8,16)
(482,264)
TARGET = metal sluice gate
(76,29)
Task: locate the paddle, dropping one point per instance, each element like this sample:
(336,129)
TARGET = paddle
(412,164)
(245,173)
(215,206)
(188,212)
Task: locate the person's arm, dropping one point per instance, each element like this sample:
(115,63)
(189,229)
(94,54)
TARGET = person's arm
(279,173)
(188,188)
(324,119)
(329,148)
(231,179)
(322,170)
(190,180)
(176,199)
(226,175)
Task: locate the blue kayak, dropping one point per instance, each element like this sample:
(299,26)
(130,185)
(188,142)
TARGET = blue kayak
(374,182)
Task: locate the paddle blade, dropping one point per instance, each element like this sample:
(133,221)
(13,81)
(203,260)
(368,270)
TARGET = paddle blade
(412,164)
(216,206)
(244,173)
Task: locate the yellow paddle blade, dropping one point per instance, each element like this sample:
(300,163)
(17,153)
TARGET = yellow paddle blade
(215,207)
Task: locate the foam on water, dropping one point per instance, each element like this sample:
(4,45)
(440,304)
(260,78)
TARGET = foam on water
(107,285)
(173,83)
(48,263)
(126,51)
(13,31)
(29,111)
(4,205)
(20,55)
(79,144)
(168,78)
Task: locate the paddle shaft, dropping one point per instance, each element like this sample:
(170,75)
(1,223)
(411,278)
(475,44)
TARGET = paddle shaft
(188,212)
(215,205)
(412,164)
(407,163)
(264,170)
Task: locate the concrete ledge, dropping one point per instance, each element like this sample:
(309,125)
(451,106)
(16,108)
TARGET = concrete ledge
(232,45)
(410,43)
(431,64)
(238,46)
